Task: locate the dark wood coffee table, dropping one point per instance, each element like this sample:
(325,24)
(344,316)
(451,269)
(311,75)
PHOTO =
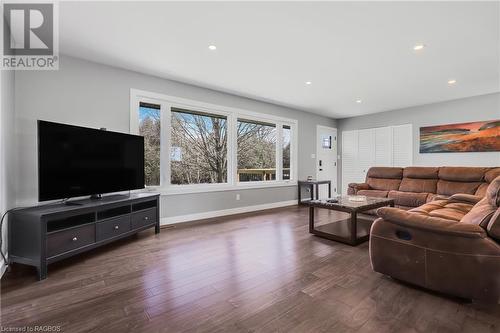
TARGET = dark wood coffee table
(350,229)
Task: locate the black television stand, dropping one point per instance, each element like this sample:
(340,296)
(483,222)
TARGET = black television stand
(41,235)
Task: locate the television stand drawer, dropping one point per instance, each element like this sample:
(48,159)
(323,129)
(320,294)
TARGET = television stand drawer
(71,239)
(143,218)
(113,227)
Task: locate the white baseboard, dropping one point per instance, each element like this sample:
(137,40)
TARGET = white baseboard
(224,212)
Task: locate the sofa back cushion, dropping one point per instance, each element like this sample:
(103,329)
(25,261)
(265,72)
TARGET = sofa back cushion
(480,214)
(462,174)
(460,180)
(419,180)
(493,192)
(445,187)
(493,228)
(385,172)
(384,178)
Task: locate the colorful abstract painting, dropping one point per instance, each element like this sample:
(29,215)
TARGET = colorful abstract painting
(464,137)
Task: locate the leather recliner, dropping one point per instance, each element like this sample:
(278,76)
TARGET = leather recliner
(450,245)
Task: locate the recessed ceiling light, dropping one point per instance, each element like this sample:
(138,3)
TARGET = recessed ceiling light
(453,81)
(308,83)
(359,100)
(212,47)
(418,47)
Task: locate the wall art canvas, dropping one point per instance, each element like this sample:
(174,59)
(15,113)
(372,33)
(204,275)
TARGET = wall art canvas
(477,136)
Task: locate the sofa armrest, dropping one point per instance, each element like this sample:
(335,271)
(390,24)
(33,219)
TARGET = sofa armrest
(353,188)
(430,224)
(467,198)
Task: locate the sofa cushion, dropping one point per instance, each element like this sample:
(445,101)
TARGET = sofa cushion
(421,172)
(384,184)
(462,174)
(385,172)
(446,209)
(493,192)
(481,190)
(493,228)
(373,193)
(491,174)
(480,214)
(451,187)
(409,199)
(418,185)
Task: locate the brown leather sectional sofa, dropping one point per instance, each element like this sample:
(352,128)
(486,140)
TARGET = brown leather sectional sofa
(414,186)
(447,236)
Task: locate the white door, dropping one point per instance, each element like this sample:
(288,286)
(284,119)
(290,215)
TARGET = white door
(326,158)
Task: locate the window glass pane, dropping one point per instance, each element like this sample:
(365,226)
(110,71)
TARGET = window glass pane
(287,135)
(198,152)
(149,127)
(256,151)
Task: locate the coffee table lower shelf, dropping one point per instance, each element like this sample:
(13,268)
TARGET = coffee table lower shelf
(354,229)
(340,231)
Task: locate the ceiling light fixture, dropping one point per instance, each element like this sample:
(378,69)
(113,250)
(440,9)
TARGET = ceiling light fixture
(359,100)
(418,47)
(212,47)
(453,81)
(308,83)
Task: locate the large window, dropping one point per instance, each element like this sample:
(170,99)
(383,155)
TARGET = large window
(256,151)
(192,146)
(198,152)
(285,146)
(149,127)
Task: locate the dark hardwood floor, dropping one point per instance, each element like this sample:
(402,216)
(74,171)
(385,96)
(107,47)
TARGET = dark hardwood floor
(255,272)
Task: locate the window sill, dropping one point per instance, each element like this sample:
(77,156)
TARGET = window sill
(189,189)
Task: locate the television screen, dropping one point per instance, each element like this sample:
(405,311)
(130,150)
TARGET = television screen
(76,161)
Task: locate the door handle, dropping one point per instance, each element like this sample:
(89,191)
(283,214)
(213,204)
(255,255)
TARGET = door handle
(320,163)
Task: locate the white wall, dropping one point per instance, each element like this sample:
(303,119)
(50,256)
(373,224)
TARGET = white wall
(89,94)
(485,107)
(7,151)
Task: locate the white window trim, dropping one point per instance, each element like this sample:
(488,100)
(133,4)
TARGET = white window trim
(232,114)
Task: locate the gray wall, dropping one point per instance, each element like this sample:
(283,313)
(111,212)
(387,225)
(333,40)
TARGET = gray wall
(94,95)
(485,107)
(7,149)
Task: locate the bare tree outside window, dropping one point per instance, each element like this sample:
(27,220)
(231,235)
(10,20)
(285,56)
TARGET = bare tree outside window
(286,139)
(149,127)
(256,151)
(199,148)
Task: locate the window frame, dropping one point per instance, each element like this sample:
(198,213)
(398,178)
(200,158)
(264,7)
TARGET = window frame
(167,102)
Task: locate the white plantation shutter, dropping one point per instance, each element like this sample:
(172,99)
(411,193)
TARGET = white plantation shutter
(402,147)
(383,146)
(349,159)
(366,151)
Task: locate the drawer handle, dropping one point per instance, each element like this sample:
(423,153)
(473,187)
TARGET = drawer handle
(74,239)
(116,227)
(146,218)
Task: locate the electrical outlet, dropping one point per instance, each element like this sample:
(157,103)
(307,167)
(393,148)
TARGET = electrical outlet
(238,196)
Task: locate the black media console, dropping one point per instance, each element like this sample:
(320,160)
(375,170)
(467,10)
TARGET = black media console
(41,235)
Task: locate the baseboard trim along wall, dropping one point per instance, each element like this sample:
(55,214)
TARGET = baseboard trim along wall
(224,212)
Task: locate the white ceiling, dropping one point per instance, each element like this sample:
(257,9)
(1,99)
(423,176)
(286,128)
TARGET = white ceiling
(267,51)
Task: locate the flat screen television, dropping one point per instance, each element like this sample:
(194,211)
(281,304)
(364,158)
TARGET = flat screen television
(77,161)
